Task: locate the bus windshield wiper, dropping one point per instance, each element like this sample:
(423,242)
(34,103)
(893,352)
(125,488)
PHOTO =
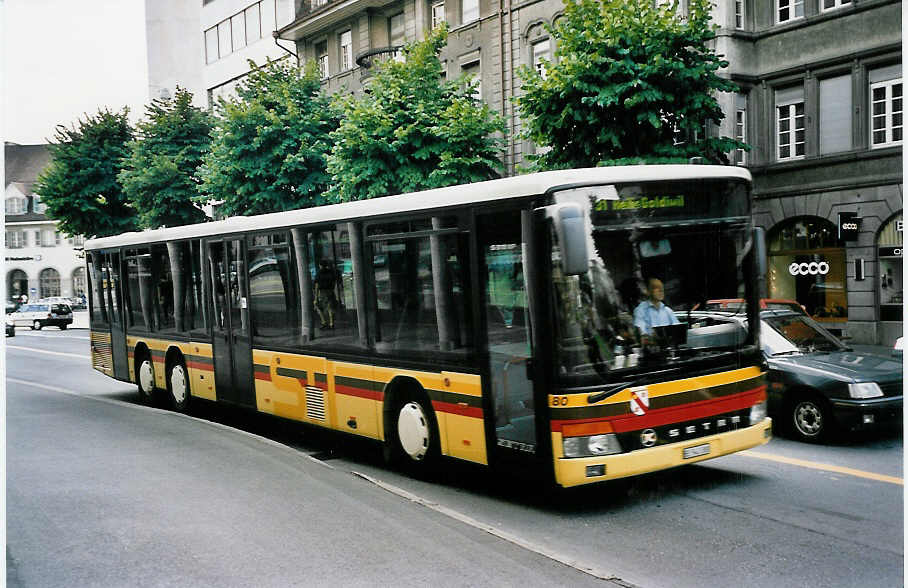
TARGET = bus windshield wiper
(599,396)
(789,352)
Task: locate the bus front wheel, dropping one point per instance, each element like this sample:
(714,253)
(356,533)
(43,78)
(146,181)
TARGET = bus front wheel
(416,441)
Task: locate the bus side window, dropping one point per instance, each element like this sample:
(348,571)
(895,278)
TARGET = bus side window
(333,287)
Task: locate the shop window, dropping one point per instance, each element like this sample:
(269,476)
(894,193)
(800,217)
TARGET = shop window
(807,263)
(889,243)
(49,282)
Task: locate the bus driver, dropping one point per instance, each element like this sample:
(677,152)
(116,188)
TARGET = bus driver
(652,312)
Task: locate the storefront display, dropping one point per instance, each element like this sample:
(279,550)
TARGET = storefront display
(889,244)
(807,263)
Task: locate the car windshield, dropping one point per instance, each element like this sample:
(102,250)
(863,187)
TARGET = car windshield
(803,333)
(644,238)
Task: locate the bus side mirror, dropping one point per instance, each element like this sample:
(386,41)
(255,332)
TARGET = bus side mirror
(759,252)
(571,233)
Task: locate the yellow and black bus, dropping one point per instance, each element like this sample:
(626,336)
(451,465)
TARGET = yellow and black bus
(497,322)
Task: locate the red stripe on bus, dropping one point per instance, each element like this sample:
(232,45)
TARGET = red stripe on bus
(668,416)
(265,376)
(458,409)
(359,392)
(200,366)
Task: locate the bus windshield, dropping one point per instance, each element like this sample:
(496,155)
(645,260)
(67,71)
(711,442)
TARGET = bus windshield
(657,252)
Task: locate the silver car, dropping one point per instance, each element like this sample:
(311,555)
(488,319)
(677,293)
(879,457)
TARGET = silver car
(40,315)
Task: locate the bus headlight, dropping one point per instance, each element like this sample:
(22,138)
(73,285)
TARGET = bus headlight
(591,446)
(864,390)
(757,413)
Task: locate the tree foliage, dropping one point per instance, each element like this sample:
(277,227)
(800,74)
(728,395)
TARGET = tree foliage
(411,130)
(270,144)
(159,176)
(632,81)
(79,186)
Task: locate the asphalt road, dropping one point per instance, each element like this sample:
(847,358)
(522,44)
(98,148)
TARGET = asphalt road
(102,491)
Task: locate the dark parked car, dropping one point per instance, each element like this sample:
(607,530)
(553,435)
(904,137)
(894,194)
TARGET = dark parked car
(816,384)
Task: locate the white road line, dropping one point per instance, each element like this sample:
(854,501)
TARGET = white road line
(33,350)
(49,336)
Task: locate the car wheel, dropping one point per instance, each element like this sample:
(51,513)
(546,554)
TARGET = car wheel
(178,384)
(145,379)
(810,419)
(63,326)
(36,326)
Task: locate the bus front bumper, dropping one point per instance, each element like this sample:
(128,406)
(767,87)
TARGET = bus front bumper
(585,470)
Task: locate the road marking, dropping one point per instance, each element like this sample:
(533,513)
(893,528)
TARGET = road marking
(825,467)
(32,349)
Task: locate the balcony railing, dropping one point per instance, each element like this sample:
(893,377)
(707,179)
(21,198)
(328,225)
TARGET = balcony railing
(367,59)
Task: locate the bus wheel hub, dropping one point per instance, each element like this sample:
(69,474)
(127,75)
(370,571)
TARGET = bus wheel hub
(413,430)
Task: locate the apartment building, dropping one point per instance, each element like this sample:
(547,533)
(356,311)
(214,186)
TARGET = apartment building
(820,104)
(40,260)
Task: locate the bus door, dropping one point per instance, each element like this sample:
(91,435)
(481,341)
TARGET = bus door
(231,336)
(508,345)
(112,285)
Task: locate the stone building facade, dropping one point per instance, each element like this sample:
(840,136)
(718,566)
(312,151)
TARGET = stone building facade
(820,104)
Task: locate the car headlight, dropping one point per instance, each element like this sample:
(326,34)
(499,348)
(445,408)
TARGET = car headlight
(591,446)
(757,413)
(864,390)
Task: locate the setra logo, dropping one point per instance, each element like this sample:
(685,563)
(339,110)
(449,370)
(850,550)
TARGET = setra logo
(809,269)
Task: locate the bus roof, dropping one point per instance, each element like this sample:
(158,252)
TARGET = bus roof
(438,198)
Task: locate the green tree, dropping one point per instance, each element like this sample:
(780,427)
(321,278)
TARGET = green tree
(411,130)
(632,81)
(160,176)
(79,185)
(270,143)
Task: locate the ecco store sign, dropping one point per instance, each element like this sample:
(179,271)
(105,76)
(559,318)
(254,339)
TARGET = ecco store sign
(813,268)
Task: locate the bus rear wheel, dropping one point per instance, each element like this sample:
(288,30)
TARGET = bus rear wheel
(178,384)
(145,378)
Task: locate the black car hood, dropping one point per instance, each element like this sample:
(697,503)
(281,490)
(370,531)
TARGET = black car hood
(849,366)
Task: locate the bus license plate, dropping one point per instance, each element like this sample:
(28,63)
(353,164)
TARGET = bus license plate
(695,451)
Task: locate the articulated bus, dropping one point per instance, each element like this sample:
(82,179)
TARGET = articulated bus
(491,322)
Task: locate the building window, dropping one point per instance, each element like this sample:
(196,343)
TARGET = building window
(788,10)
(15,239)
(321,58)
(79,281)
(37,238)
(474,72)
(238,30)
(438,14)
(886,106)
(396,33)
(740,155)
(15,205)
(211,45)
(833,4)
(542,52)
(739,14)
(807,264)
(469,11)
(253,24)
(49,282)
(346,50)
(790,121)
(224,43)
(283,13)
(835,114)
(39,207)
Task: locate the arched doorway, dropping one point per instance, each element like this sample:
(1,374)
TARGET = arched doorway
(16,284)
(807,264)
(79,284)
(49,282)
(890,282)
